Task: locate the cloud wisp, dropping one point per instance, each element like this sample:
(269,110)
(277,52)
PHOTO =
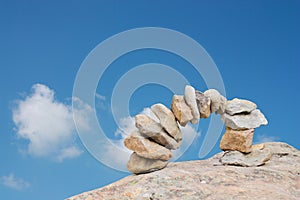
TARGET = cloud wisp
(14,183)
(48,124)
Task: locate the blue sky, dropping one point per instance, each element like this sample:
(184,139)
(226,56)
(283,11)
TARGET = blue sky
(255,45)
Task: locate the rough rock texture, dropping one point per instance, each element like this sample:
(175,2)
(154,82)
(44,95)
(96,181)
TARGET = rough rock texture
(190,99)
(138,164)
(167,120)
(236,106)
(279,178)
(146,148)
(257,157)
(240,140)
(203,103)
(181,110)
(244,121)
(218,102)
(151,129)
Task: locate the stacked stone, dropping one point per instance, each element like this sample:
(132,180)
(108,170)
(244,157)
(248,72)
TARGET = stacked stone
(153,142)
(241,117)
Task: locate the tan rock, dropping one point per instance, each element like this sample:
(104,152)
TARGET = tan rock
(190,99)
(151,129)
(181,110)
(146,148)
(167,120)
(138,164)
(236,106)
(240,140)
(203,103)
(258,146)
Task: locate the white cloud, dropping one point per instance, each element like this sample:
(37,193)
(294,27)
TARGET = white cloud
(47,124)
(100,97)
(265,138)
(15,183)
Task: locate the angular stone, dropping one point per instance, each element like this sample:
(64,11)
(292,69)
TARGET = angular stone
(151,129)
(218,102)
(181,110)
(237,106)
(138,164)
(257,157)
(244,121)
(190,99)
(167,120)
(240,140)
(203,103)
(258,146)
(146,148)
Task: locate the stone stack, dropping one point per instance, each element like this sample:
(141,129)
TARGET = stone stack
(153,142)
(241,117)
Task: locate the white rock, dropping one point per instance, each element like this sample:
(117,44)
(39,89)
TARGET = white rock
(218,102)
(190,99)
(244,121)
(237,106)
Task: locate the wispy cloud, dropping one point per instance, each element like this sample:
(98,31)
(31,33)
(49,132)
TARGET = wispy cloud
(13,182)
(48,124)
(265,138)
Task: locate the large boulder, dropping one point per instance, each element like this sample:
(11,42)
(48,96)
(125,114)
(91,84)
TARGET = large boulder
(203,103)
(190,99)
(167,120)
(151,129)
(244,121)
(218,102)
(146,148)
(236,106)
(181,110)
(138,164)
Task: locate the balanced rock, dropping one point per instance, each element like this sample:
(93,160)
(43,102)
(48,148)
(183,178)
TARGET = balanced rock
(167,120)
(146,148)
(257,157)
(244,121)
(218,101)
(190,99)
(237,106)
(181,110)
(240,140)
(151,129)
(203,103)
(138,164)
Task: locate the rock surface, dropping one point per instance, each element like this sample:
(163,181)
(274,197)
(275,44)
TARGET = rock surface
(190,99)
(181,110)
(236,106)
(138,164)
(203,104)
(151,129)
(240,140)
(279,178)
(146,148)
(244,121)
(218,102)
(167,120)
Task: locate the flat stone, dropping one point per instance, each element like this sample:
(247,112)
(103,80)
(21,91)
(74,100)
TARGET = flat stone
(181,110)
(244,121)
(167,120)
(190,99)
(257,157)
(138,164)
(237,106)
(258,146)
(203,104)
(218,102)
(146,148)
(151,129)
(240,140)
